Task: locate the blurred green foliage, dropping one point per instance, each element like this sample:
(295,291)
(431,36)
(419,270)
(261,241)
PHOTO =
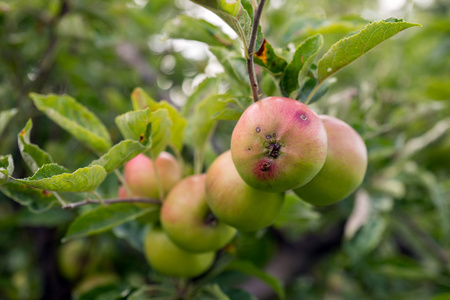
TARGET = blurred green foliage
(397,97)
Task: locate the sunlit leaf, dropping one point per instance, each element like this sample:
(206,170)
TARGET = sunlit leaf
(136,125)
(53,177)
(76,119)
(32,154)
(349,49)
(104,218)
(141,98)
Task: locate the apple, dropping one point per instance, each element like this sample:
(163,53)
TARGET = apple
(187,219)
(169,259)
(344,168)
(278,144)
(140,175)
(235,202)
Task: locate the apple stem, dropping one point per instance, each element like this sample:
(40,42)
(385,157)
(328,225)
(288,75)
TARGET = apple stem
(110,201)
(251,50)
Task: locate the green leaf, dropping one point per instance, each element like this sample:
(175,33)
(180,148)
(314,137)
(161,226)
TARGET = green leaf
(76,119)
(267,58)
(234,109)
(6,168)
(5,117)
(136,125)
(32,154)
(104,218)
(295,73)
(119,154)
(161,133)
(349,49)
(53,177)
(189,28)
(34,199)
(141,99)
(248,268)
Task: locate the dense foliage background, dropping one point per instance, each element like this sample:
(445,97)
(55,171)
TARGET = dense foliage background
(390,240)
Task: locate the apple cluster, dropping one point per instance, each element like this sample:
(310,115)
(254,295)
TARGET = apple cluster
(278,144)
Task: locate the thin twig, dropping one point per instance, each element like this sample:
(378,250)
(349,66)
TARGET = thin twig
(111,201)
(251,50)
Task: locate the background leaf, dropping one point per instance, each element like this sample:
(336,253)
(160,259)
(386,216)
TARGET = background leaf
(5,117)
(295,72)
(35,200)
(104,218)
(76,119)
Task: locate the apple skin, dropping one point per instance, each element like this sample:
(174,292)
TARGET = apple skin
(344,168)
(278,144)
(187,219)
(235,202)
(168,259)
(140,176)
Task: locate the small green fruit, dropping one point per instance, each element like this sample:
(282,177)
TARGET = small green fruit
(188,221)
(235,202)
(168,259)
(278,144)
(344,168)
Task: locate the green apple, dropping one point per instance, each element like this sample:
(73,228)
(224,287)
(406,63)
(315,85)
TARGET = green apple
(235,202)
(169,259)
(188,221)
(140,176)
(344,168)
(278,144)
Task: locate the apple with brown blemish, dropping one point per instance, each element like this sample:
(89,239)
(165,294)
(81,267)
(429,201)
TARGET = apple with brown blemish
(235,202)
(344,168)
(278,144)
(188,220)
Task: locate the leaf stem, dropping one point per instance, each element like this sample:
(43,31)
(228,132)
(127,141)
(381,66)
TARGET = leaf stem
(311,95)
(111,201)
(251,50)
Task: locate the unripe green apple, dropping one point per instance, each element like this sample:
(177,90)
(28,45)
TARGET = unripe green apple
(169,259)
(235,202)
(278,144)
(344,168)
(188,221)
(140,175)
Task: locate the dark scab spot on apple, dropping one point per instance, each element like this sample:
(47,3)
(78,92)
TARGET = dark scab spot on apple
(303,117)
(274,134)
(249,149)
(268,137)
(274,150)
(265,166)
(258,130)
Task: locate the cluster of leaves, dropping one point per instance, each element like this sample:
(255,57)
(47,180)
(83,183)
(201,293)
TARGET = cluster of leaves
(396,235)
